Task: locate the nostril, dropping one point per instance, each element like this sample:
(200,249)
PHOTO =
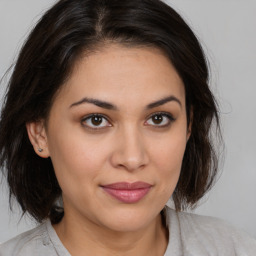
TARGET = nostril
(130,152)
(130,161)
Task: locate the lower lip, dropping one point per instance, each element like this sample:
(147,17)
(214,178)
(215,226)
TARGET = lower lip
(128,195)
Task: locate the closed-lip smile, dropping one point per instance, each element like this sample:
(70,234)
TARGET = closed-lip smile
(128,192)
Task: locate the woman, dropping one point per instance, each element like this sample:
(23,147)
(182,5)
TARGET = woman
(108,115)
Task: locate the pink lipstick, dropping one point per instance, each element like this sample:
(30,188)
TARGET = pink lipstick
(128,192)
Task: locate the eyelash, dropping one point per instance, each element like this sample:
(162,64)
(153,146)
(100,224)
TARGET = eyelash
(92,116)
(95,128)
(163,114)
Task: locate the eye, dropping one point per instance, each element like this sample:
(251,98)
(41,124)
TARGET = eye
(160,120)
(95,121)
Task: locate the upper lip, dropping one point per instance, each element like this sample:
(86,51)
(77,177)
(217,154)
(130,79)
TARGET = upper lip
(128,185)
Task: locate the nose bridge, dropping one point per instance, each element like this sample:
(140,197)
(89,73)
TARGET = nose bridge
(131,152)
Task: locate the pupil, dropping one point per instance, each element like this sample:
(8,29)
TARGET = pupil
(157,119)
(96,120)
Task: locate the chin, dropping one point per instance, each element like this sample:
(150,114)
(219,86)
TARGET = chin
(130,220)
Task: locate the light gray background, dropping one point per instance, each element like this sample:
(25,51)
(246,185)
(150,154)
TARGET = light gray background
(227,29)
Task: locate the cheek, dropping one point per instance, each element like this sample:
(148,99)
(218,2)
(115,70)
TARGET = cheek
(75,158)
(168,157)
(79,159)
(170,151)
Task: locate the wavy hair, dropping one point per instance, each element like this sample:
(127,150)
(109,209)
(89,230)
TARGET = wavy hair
(59,39)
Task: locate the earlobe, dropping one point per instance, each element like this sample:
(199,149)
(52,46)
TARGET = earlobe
(38,138)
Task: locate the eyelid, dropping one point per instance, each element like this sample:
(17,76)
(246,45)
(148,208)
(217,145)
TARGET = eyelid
(163,113)
(95,115)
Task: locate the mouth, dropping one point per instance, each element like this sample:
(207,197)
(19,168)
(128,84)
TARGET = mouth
(128,192)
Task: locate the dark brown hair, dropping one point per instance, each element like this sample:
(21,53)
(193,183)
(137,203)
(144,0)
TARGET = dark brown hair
(64,33)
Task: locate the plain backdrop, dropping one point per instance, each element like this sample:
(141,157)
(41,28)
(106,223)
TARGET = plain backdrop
(227,30)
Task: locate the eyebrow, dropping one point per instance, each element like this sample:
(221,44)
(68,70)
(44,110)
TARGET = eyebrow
(99,103)
(107,105)
(163,101)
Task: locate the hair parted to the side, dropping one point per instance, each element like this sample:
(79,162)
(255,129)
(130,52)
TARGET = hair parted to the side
(67,31)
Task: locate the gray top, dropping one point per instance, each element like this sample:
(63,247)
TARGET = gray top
(189,235)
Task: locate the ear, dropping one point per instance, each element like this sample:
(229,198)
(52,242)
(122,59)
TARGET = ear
(189,129)
(38,138)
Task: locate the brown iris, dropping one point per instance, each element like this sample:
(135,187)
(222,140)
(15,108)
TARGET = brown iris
(157,119)
(96,120)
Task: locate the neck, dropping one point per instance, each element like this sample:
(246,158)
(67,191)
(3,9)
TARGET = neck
(86,238)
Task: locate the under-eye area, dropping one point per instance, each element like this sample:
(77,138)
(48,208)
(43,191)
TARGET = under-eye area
(95,122)
(160,120)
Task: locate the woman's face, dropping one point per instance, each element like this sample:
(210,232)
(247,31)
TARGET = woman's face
(116,135)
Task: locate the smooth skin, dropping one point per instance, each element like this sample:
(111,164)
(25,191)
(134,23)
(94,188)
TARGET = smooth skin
(120,117)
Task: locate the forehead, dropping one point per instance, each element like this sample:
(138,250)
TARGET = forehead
(117,73)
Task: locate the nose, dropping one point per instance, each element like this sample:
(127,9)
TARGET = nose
(130,152)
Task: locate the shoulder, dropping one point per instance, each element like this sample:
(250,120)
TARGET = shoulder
(32,242)
(202,235)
